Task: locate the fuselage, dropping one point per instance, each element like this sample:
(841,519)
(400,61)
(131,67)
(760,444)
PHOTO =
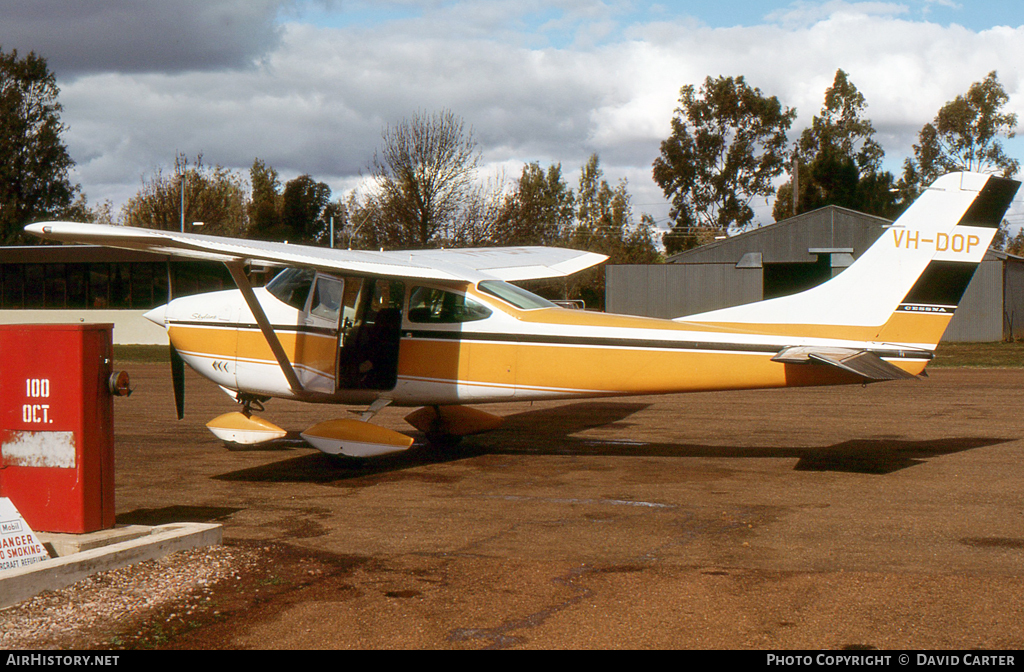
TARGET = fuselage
(354,340)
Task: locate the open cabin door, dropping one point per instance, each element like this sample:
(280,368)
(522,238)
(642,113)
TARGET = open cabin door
(369,333)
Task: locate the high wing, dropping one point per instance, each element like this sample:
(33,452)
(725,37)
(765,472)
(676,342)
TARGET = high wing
(470,265)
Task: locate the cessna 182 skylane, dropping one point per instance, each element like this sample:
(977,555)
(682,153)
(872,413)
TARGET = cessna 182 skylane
(444,328)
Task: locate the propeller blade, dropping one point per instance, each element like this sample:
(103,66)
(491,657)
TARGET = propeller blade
(178,378)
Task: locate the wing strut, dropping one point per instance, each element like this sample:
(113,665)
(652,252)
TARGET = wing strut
(238,275)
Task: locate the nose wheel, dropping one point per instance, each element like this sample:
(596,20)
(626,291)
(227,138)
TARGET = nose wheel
(249,403)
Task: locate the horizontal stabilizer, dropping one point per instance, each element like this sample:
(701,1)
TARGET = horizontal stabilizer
(865,364)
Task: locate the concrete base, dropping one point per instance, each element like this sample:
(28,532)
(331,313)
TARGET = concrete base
(60,545)
(100,552)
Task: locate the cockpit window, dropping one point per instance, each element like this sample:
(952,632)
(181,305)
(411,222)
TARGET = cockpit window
(517,296)
(292,286)
(436,306)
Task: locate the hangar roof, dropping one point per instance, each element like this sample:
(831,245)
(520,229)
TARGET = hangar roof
(828,229)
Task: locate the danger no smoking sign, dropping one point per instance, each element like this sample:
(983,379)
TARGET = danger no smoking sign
(19,545)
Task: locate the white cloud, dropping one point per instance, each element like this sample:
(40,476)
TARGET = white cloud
(316,100)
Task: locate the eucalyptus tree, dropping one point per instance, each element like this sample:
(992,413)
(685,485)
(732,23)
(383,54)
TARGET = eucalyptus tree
(837,161)
(964,136)
(727,145)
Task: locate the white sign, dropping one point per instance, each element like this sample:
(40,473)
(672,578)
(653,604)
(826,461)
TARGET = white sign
(19,545)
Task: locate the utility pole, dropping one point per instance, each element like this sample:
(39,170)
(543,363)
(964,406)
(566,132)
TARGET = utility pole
(796,183)
(183,164)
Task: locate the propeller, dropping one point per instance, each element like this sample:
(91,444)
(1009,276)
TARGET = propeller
(178,378)
(177,363)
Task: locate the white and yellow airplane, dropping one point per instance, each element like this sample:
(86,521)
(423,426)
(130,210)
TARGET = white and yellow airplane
(444,328)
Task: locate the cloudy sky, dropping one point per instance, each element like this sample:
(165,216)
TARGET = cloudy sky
(308,85)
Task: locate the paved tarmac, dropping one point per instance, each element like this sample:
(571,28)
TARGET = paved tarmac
(887,516)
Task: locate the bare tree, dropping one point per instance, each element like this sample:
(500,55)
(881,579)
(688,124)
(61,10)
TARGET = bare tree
(424,174)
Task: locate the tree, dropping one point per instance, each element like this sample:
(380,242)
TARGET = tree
(605,224)
(34,164)
(837,160)
(265,204)
(963,136)
(841,125)
(301,213)
(540,211)
(424,174)
(727,145)
(305,209)
(1014,245)
(213,195)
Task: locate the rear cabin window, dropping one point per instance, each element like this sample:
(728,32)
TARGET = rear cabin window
(292,286)
(428,305)
(517,296)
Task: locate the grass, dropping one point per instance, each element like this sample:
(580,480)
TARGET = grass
(136,354)
(999,355)
(948,355)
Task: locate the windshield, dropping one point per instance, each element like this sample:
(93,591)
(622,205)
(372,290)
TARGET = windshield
(292,286)
(517,296)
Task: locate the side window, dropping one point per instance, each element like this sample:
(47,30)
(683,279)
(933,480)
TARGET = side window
(387,295)
(428,305)
(327,298)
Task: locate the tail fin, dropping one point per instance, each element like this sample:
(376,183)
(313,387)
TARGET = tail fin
(905,287)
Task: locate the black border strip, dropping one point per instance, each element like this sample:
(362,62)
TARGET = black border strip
(990,205)
(298,328)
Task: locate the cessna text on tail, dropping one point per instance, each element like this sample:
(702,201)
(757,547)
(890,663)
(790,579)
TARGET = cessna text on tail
(445,328)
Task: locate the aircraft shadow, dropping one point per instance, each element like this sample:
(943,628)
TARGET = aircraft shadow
(550,431)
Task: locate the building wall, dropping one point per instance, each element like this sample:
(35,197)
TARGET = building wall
(675,290)
(130,327)
(1013,299)
(979,317)
(84,284)
(790,240)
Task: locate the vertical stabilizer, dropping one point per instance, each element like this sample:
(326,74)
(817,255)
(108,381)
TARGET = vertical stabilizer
(905,287)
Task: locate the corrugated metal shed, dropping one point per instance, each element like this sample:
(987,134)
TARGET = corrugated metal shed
(674,290)
(1013,297)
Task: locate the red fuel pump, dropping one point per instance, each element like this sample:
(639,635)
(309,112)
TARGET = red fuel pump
(57,424)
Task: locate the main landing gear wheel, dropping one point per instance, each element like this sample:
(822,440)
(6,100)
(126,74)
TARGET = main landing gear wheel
(442,440)
(444,426)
